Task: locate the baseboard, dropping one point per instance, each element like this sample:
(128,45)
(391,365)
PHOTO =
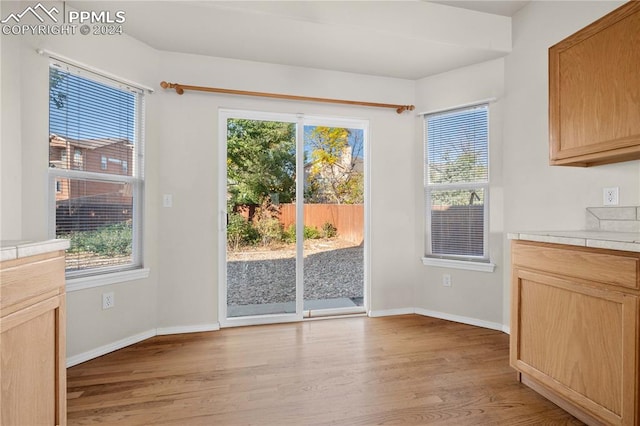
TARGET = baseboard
(391,312)
(162,331)
(441,315)
(105,349)
(457,318)
(506,329)
(127,341)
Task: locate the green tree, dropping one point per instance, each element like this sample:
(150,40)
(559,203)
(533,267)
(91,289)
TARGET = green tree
(335,169)
(466,166)
(57,95)
(260,161)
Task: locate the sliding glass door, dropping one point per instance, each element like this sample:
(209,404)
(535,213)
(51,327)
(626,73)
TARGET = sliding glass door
(292,217)
(333,217)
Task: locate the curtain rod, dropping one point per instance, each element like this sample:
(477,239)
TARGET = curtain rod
(180,88)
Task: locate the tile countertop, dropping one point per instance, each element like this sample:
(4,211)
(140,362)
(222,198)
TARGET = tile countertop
(626,241)
(11,249)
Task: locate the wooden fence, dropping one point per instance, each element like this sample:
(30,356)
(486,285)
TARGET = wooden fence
(458,230)
(347,218)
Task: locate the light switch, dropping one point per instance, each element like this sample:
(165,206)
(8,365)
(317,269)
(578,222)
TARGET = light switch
(167,200)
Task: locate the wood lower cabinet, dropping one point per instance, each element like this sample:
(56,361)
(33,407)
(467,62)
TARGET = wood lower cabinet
(32,340)
(575,331)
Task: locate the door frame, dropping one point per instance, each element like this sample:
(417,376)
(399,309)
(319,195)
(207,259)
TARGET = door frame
(301,120)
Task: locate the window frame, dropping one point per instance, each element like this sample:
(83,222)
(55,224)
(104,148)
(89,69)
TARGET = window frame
(105,275)
(468,262)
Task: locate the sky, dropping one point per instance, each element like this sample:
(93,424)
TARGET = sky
(452,132)
(90,109)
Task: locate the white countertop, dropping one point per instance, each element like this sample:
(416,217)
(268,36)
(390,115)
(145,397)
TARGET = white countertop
(626,241)
(11,249)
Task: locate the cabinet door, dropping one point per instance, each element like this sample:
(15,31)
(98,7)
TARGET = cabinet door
(32,382)
(594,92)
(578,341)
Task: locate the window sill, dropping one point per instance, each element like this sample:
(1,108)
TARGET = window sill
(459,264)
(75,284)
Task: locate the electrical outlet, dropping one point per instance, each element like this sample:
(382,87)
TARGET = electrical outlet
(446,280)
(108,300)
(610,196)
(167,200)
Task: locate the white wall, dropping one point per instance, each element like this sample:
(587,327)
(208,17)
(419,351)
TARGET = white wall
(182,159)
(538,196)
(188,241)
(472,295)
(24,174)
(10,149)
(181,243)
(526,193)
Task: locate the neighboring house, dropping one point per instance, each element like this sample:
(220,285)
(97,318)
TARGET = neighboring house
(92,202)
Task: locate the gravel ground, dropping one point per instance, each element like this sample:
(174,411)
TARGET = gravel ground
(332,269)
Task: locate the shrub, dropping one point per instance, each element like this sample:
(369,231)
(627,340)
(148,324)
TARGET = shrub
(289,234)
(269,229)
(110,240)
(266,222)
(240,232)
(310,233)
(329,230)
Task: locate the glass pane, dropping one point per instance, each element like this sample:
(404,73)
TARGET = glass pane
(91,125)
(92,129)
(97,217)
(457,146)
(333,218)
(457,222)
(261,252)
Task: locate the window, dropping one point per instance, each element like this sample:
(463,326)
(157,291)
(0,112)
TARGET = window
(96,207)
(457,184)
(77,159)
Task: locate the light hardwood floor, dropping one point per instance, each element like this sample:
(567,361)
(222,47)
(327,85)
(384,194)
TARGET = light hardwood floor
(403,370)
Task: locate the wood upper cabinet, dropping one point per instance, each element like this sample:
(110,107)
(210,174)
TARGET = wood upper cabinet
(594,92)
(575,329)
(32,340)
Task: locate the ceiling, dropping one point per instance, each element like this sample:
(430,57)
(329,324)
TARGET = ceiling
(402,39)
(504,8)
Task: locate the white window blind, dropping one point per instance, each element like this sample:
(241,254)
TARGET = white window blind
(95,166)
(457,183)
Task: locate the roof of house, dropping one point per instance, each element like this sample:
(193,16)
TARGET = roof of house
(55,140)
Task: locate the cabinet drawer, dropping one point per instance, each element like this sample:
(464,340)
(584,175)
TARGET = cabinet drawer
(614,268)
(26,283)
